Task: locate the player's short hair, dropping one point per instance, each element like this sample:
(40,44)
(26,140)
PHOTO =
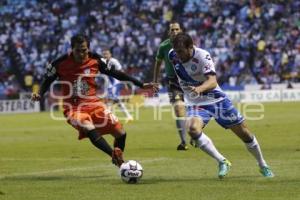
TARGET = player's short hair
(174,22)
(106,49)
(182,40)
(79,39)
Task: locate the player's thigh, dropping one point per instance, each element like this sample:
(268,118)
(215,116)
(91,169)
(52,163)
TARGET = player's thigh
(176,98)
(179,108)
(226,114)
(197,115)
(80,120)
(106,122)
(194,125)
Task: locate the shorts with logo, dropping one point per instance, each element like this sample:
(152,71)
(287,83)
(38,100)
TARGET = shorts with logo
(223,111)
(96,113)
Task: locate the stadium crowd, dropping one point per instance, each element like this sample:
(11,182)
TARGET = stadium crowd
(251,42)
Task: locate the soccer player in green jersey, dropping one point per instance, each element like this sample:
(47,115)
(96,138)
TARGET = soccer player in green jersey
(174,90)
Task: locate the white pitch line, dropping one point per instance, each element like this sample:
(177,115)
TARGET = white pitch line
(74,169)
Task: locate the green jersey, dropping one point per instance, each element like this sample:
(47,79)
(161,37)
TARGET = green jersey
(162,54)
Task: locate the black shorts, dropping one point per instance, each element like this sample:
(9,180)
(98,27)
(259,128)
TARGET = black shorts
(174,90)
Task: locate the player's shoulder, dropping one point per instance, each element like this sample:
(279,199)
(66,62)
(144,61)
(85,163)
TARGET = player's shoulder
(165,43)
(57,61)
(201,53)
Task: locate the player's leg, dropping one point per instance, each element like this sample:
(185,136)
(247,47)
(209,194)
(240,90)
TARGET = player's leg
(179,109)
(229,117)
(176,99)
(82,121)
(201,140)
(242,131)
(106,122)
(115,95)
(96,139)
(125,111)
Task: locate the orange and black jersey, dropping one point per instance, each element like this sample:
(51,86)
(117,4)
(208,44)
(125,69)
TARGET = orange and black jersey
(78,79)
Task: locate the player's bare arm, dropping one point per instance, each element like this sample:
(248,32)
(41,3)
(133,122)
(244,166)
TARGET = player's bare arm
(209,84)
(157,67)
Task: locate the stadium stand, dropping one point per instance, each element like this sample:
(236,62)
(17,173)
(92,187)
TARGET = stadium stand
(251,43)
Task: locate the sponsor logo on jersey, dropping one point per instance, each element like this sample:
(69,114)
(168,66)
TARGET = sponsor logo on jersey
(194,67)
(87,71)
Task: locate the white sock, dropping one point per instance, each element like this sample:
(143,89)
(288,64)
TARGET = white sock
(206,145)
(254,149)
(124,109)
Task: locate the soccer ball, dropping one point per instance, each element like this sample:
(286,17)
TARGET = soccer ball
(131,171)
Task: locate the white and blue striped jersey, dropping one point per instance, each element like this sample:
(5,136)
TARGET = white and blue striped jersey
(193,73)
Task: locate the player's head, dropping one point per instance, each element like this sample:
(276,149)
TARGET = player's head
(183,46)
(106,54)
(174,29)
(80,47)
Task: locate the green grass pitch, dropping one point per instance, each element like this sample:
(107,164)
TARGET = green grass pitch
(41,159)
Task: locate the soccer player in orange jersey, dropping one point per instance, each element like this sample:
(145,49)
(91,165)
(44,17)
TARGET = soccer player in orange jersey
(83,110)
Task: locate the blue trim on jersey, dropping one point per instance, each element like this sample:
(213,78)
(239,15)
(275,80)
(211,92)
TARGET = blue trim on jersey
(216,94)
(183,75)
(111,79)
(194,51)
(179,68)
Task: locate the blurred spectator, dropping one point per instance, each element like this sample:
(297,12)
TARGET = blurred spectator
(250,41)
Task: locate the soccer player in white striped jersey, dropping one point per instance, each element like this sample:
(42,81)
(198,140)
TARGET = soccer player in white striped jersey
(205,99)
(115,86)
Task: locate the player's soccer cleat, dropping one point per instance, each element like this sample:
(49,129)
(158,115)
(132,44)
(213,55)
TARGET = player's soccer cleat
(182,147)
(117,157)
(224,167)
(266,172)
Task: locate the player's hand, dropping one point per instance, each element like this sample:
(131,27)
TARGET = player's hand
(153,86)
(197,90)
(35,97)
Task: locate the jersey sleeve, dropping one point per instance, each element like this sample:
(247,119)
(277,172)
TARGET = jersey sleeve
(208,64)
(50,74)
(50,70)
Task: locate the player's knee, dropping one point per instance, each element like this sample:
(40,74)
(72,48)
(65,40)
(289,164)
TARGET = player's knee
(194,127)
(119,132)
(179,109)
(194,130)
